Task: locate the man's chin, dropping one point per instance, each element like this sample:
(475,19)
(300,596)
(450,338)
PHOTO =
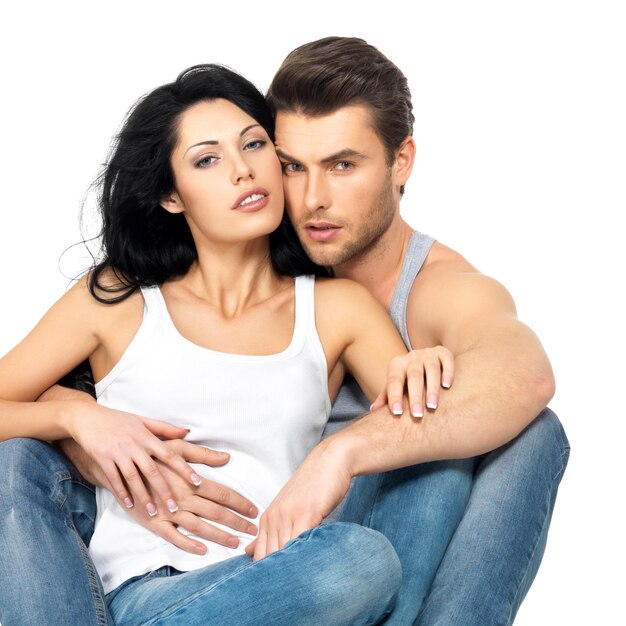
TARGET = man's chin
(325,255)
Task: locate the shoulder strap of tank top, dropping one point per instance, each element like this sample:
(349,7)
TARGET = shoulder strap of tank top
(416,253)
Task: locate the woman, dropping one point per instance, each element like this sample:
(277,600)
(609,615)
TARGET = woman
(197,258)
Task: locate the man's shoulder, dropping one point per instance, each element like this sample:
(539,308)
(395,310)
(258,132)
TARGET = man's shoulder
(449,289)
(442,257)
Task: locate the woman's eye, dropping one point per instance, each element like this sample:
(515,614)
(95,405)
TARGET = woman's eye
(255,144)
(206,161)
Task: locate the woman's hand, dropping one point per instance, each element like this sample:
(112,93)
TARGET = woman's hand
(198,506)
(123,445)
(423,372)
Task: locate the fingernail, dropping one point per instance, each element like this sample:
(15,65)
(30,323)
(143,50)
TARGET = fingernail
(252,530)
(371,405)
(446,382)
(196,480)
(397,408)
(233,542)
(172,507)
(418,411)
(128,502)
(431,402)
(220,453)
(152,510)
(200,549)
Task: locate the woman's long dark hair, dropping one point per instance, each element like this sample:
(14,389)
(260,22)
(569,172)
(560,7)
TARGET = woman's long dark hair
(142,243)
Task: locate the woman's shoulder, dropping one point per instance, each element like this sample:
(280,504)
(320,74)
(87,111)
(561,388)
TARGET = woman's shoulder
(345,298)
(99,300)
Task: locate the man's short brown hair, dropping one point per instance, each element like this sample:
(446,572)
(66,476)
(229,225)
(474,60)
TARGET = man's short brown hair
(320,77)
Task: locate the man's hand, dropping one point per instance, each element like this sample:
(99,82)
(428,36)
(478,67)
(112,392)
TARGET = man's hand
(316,488)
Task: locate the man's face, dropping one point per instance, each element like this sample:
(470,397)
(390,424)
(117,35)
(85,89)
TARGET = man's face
(338,185)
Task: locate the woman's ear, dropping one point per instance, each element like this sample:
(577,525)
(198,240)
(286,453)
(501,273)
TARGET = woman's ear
(172,203)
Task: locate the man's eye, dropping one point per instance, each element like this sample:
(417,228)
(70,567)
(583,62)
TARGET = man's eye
(292,167)
(344,165)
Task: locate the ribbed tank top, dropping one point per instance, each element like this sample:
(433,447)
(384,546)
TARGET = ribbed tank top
(268,412)
(351,401)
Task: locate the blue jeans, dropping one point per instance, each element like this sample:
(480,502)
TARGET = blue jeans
(476,571)
(47,514)
(337,573)
(497,548)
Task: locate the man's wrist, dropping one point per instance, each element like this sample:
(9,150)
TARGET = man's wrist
(342,449)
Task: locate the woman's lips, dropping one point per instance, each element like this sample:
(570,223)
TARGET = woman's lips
(253,205)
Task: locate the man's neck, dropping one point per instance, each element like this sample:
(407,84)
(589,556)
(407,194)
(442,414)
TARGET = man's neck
(379,267)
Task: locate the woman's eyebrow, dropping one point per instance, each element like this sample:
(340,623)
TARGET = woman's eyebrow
(214,142)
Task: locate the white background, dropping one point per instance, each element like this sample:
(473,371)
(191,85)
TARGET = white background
(521,166)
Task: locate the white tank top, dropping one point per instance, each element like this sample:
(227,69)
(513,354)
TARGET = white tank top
(268,412)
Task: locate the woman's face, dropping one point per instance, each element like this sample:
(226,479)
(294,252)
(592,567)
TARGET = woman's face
(227,175)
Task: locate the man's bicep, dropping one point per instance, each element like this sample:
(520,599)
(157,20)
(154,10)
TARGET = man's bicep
(459,310)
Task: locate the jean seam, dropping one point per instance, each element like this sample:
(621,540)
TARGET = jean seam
(98,600)
(170,610)
(546,518)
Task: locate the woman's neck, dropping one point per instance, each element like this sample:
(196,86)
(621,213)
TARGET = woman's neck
(233,277)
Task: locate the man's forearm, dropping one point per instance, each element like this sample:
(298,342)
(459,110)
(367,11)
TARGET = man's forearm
(493,398)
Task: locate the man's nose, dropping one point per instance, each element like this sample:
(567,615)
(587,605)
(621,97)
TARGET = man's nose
(316,193)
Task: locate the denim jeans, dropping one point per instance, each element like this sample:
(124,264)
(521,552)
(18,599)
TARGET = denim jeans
(337,573)
(475,571)
(497,548)
(47,514)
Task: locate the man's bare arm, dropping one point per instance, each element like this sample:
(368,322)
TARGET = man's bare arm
(503,378)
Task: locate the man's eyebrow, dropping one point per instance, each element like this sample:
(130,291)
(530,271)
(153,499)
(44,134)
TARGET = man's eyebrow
(214,142)
(285,157)
(346,153)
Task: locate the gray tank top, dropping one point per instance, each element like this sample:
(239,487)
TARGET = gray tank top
(351,401)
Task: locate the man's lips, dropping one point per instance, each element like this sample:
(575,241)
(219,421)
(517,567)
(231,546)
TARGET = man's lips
(321,231)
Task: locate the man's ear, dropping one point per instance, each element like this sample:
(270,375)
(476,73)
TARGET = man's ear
(172,203)
(403,163)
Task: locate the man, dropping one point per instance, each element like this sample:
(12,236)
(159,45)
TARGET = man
(344,125)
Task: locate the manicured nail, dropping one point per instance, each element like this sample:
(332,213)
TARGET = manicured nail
(396,408)
(371,405)
(152,510)
(431,401)
(220,453)
(446,381)
(200,549)
(233,542)
(172,507)
(252,511)
(417,410)
(128,502)
(252,530)
(196,480)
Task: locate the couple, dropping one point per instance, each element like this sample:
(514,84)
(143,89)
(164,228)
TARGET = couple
(198,257)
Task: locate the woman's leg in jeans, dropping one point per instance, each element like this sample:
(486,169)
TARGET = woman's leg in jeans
(336,573)
(47,512)
(418,509)
(498,546)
